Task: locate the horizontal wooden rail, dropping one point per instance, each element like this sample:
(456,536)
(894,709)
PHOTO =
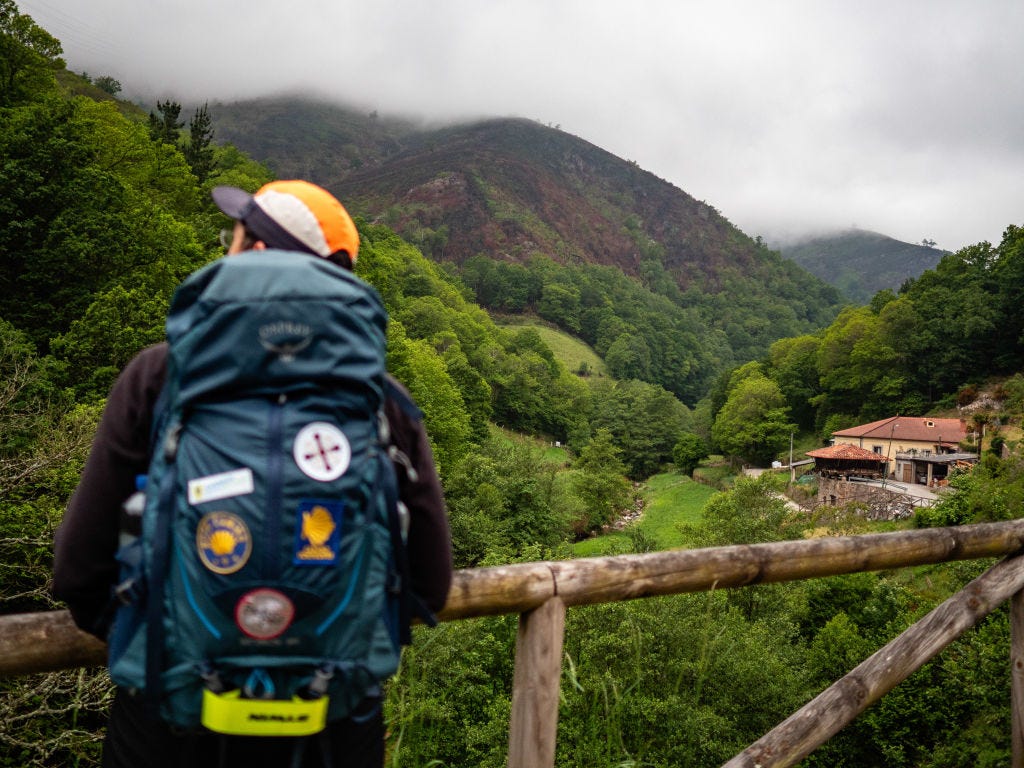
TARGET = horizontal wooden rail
(540,593)
(523,587)
(47,641)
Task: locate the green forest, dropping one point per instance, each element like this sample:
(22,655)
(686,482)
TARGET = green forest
(106,209)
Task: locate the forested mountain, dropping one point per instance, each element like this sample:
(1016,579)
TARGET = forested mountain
(520,193)
(861,263)
(301,138)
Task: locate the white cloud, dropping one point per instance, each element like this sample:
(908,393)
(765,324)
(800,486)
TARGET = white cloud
(902,117)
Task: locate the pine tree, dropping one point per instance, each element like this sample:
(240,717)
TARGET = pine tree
(165,128)
(198,152)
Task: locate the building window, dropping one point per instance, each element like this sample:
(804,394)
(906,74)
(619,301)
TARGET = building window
(877,449)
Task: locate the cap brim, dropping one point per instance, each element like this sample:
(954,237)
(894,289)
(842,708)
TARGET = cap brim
(232,201)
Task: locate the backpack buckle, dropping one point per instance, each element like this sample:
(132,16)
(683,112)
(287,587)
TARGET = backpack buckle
(127,592)
(321,679)
(211,677)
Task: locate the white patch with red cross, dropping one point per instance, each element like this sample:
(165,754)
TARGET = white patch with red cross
(321,451)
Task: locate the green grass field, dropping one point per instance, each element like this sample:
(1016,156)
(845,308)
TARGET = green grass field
(556,453)
(569,350)
(671,499)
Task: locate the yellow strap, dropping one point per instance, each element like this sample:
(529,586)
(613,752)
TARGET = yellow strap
(229,713)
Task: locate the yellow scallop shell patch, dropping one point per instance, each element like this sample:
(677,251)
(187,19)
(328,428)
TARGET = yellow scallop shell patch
(223,542)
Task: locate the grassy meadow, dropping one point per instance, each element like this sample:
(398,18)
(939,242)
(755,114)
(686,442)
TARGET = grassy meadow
(669,500)
(568,349)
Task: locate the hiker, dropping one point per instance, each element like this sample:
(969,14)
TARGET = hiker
(300,218)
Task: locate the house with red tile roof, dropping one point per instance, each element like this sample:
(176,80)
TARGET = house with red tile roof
(912,445)
(843,460)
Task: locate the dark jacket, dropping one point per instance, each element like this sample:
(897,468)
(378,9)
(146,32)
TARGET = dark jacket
(84,567)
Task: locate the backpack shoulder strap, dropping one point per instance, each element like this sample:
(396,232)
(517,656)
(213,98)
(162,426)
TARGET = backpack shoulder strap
(402,399)
(159,417)
(410,605)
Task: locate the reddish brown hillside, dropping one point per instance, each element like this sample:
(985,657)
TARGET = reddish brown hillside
(508,189)
(512,188)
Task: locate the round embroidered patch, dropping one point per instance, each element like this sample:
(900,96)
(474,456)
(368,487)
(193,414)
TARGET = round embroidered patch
(263,614)
(223,542)
(321,451)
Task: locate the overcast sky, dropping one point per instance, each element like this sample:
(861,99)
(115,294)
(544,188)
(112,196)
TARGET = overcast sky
(906,118)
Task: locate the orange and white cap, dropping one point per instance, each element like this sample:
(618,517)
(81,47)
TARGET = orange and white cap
(292,215)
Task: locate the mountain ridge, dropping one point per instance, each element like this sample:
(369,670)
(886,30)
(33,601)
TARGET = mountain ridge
(526,195)
(860,262)
(503,186)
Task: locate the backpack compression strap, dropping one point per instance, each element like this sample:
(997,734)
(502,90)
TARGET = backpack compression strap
(158,574)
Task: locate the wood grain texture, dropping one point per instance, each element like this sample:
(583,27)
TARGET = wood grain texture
(533,724)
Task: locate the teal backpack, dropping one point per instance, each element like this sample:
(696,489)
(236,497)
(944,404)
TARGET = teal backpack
(267,593)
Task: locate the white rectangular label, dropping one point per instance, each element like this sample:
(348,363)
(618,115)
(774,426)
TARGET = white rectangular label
(237,482)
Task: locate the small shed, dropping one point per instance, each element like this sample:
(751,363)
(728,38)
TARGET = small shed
(846,460)
(931,469)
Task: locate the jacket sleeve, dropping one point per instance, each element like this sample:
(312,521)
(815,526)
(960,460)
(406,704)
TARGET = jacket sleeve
(430,544)
(84,569)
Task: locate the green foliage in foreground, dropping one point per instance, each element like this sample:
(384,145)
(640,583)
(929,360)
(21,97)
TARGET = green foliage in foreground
(993,491)
(691,680)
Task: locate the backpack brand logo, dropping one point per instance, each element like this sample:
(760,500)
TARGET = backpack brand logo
(271,717)
(285,338)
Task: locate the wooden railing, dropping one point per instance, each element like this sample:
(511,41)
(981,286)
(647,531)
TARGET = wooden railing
(540,593)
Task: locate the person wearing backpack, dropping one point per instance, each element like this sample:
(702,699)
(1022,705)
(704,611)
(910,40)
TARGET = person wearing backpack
(257,591)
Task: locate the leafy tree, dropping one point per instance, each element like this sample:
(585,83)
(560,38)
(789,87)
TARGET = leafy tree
(629,357)
(754,422)
(561,305)
(117,324)
(753,511)
(107,84)
(836,649)
(503,498)
(793,365)
(652,682)
(599,481)
(959,319)
(644,420)
(417,365)
(854,361)
(1009,274)
(476,392)
(688,452)
(87,194)
(501,285)
(28,54)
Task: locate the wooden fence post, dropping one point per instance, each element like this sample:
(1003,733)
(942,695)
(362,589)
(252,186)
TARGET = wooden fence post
(1017,679)
(535,686)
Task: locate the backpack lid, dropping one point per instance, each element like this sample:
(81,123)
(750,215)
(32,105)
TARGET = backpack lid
(274,321)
